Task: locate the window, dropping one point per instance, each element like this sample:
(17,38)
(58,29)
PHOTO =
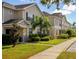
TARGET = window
(8,31)
(26,15)
(11,12)
(60,31)
(30,30)
(30,15)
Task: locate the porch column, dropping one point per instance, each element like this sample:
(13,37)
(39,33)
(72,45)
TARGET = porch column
(24,35)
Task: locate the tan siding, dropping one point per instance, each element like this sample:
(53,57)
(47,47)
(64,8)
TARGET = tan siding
(7,14)
(18,15)
(31,11)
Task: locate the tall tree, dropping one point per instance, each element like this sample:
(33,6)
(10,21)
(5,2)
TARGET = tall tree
(46,25)
(41,22)
(57,2)
(37,22)
(74,23)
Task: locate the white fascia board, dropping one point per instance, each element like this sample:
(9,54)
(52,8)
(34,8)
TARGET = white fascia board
(29,6)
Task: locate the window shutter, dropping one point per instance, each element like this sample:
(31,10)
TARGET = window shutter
(26,15)
(33,16)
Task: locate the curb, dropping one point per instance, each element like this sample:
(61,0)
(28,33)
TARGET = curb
(69,46)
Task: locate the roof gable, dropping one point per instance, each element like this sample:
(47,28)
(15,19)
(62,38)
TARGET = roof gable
(23,5)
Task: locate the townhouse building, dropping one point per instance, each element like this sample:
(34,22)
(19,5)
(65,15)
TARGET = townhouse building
(59,23)
(21,15)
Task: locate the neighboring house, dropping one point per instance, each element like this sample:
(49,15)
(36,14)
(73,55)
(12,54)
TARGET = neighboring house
(59,23)
(21,15)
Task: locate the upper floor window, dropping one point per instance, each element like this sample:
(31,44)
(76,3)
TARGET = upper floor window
(30,30)
(29,16)
(11,11)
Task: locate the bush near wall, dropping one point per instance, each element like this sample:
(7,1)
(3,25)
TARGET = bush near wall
(71,32)
(42,35)
(6,39)
(46,38)
(73,35)
(38,37)
(34,38)
(63,36)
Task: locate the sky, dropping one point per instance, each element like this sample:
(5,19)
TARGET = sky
(69,11)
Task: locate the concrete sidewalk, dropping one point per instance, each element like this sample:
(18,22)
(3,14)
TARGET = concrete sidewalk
(53,52)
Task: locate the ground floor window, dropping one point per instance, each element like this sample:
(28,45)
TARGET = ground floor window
(20,39)
(8,31)
(30,30)
(60,31)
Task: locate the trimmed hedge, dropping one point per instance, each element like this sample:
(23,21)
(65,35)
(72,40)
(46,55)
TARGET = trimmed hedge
(6,39)
(34,38)
(71,33)
(46,38)
(63,36)
(42,35)
(33,35)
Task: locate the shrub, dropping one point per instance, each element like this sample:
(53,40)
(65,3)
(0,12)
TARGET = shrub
(73,35)
(71,32)
(51,38)
(46,38)
(33,38)
(42,35)
(63,36)
(6,39)
(33,35)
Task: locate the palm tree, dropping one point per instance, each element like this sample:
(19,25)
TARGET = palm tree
(57,2)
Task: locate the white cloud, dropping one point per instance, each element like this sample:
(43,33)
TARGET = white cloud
(64,12)
(67,9)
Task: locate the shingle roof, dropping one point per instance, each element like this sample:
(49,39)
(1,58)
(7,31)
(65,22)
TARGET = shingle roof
(11,21)
(17,6)
(23,5)
(54,14)
(45,13)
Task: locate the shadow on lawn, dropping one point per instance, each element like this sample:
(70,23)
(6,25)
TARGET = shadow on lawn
(6,47)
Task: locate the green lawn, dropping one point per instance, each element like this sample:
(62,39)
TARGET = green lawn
(67,55)
(53,42)
(21,51)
